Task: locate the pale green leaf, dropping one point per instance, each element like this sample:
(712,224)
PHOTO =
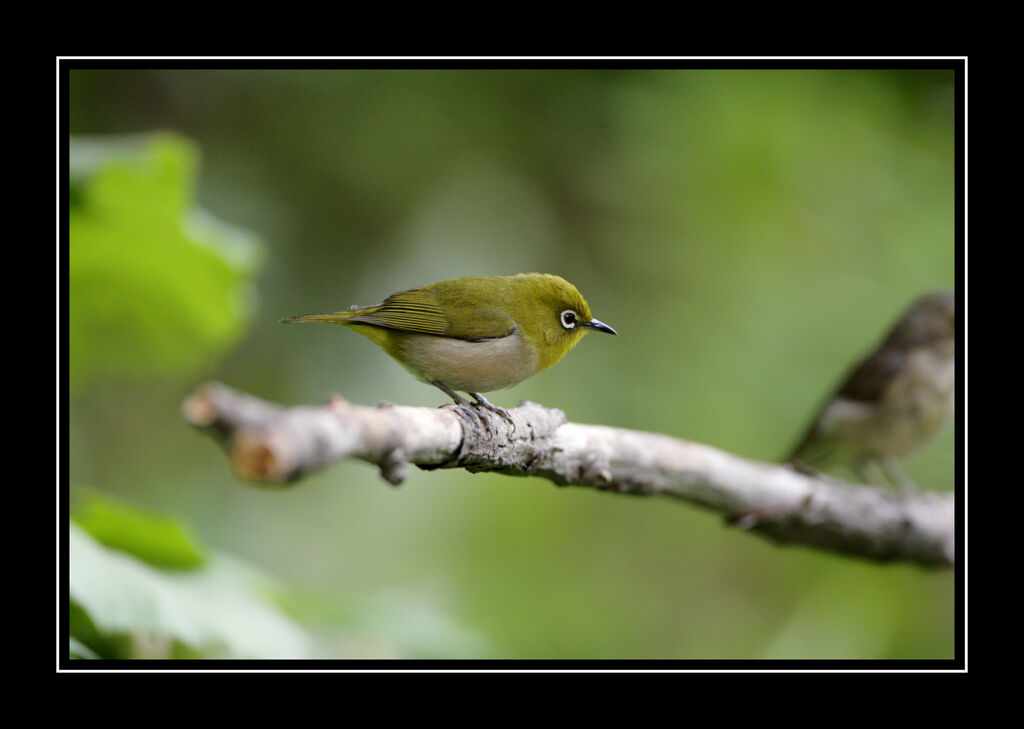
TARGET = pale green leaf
(221,610)
(155,284)
(158,540)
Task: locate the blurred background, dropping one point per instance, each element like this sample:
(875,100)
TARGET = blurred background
(749,234)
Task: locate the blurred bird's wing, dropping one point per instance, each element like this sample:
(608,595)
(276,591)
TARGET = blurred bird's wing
(870,379)
(424,311)
(866,385)
(815,450)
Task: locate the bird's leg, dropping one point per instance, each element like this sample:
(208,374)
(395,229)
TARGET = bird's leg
(885,470)
(897,476)
(460,402)
(482,401)
(868,470)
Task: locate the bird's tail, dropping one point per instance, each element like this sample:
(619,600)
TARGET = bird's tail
(340,317)
(350,320)
(814,452)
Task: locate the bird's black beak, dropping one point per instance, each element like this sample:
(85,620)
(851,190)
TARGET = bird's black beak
(598,326)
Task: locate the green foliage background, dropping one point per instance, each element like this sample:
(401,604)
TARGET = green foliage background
(748,233)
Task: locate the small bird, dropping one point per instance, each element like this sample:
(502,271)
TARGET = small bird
(475,334)
(893,402)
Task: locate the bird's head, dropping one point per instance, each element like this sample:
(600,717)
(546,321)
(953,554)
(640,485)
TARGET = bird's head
(553,315)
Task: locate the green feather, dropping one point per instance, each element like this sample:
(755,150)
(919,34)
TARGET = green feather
(460,309)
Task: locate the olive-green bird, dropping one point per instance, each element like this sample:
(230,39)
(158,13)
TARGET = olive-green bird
(475,334)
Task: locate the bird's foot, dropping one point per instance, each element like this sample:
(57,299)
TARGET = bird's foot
(474,408)
(482,402)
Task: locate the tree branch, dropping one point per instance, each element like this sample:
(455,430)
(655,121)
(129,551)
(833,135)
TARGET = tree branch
(270,444)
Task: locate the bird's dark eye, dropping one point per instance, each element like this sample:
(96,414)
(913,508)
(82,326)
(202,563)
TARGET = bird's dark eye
(568,318)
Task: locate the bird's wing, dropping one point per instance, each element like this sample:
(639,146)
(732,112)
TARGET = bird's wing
(867,384)
(424,311)
(815,449)
(872,376)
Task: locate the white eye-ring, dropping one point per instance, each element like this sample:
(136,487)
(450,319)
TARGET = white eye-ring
(568,319)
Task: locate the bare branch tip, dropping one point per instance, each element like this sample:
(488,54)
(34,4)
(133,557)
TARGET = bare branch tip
(198,408)
(255,459)
(253,463)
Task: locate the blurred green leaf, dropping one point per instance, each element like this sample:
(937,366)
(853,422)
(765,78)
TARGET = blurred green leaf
(390,625)
(155,285)
(222,610)
(77,649)
(420,630)
(157,540)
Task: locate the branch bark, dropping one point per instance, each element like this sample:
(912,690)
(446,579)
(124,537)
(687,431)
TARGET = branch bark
(270,444)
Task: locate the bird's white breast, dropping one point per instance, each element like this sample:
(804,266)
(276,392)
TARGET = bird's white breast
(482,366)
(912,409)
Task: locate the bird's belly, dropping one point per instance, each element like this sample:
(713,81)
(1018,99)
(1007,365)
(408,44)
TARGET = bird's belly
(918,405)
(911,411)
(482,366)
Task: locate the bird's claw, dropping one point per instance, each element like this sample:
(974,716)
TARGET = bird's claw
(505,415)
